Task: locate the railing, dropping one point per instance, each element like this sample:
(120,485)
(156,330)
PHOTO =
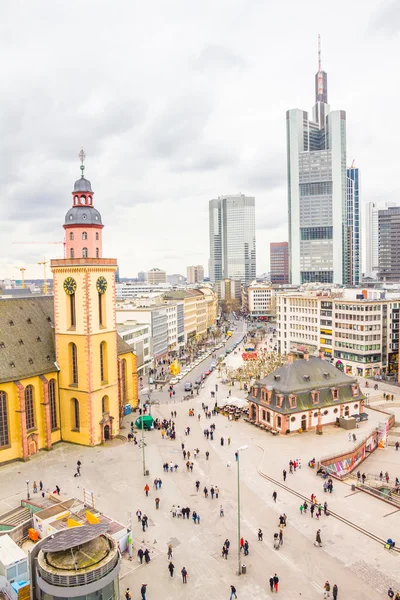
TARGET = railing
(78,578)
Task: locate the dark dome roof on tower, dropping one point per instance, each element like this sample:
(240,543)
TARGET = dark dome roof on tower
(83,215)
(83,185)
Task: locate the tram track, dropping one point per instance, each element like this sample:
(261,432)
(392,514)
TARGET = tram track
(337,516)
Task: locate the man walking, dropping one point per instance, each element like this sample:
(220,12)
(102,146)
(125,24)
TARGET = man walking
(284,474)
(335,591)
(327,589)
(274,495)
(318,539)
(128,594)
(169,555)
(233,592)
(184,575)
(146,489)
(271,583)
(276,582)
(143,591)
(171,568)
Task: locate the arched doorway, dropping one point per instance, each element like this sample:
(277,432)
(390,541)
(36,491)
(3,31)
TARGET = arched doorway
(304,422)
(106,432)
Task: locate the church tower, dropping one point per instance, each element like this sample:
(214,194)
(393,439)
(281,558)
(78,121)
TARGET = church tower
(85,325)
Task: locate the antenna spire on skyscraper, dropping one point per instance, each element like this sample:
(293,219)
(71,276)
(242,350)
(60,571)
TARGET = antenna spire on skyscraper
(319,52)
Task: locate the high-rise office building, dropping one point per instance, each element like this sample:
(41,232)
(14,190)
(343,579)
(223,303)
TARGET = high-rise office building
(353,227)
(317,181)
(155,276)
(371,235)
(195,274)
(232,238)
(279,262)
(389,244)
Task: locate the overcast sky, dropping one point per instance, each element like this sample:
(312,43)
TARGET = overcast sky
(177,102)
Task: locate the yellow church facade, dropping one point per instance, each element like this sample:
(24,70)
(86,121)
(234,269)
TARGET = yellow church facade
(65,374)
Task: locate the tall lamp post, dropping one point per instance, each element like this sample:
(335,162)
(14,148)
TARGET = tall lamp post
(237,456)
(28,496)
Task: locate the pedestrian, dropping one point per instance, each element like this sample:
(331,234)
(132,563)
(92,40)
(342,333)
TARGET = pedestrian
(284,474)
(271,583)
(241,543)
(325,508)
(169,554)
(146,555)
(146,489)
(128,594)
(205,492)
(327,589)
(171,568)
(335,591)
(301,509)
(305,506)
(184,575)
(221,511)
(197,485)
(41,487)
(212,491)
(318,541)
(260,535)
(274,495)
(140,555)
(246,548)
(312,508)
(397,445)
(157,501)
(276,582)
(233,592)
(207,455)
(198,519)
(143,591)
(281,537)
(58,490)
(139,515)
(216,492)
(35,487)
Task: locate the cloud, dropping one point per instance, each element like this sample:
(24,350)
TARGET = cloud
(218,58)
(386,19)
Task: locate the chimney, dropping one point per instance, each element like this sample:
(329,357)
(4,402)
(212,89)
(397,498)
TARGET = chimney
(306,356)
(290,357)
(321,353)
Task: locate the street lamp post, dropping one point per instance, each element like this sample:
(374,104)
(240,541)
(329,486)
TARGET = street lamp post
(237,454)
(28,496)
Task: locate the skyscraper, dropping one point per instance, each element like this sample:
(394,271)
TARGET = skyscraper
(317,183)
(353,227)
(389,244)
(279,262)
(371,233)
(232,238)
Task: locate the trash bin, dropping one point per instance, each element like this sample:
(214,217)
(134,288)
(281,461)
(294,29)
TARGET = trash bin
(244,569)
(147,472)
(353,487)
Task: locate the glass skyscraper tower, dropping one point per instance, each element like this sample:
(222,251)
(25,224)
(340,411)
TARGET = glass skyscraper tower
(317,190)
(232,238)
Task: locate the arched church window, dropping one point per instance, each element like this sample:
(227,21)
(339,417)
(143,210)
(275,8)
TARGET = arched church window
(72,253)
(97,253)
(76,199)
(97,235)
(83,199)
(71,235)
(29,407)
(74,364)
(84,252)
(84,235)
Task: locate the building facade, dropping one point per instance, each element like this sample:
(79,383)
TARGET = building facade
(353,227)
(156,276)
(279,262)
(131,289)
(389,244)
(232,238)
(261,301)
(195,274)
(360,334)
(317,180)
(304,394)
(138,337)
(65,374)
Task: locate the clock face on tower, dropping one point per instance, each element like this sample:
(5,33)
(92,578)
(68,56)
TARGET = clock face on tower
(101,285)
(70,286)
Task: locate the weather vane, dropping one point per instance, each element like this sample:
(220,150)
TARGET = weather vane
(82,157)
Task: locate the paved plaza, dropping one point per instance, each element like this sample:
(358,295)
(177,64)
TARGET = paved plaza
(360,567)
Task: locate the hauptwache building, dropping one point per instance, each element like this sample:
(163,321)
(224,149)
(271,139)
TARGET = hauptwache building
(65,374)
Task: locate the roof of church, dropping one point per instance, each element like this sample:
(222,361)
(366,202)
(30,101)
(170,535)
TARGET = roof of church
(83,215)
(27,347)
(122,346)
(83,185)
(26,338)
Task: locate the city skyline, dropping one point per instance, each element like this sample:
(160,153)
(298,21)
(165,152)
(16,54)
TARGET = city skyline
(225,120)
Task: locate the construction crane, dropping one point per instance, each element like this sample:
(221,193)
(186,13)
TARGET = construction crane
(44,263)
(22,269)
(43,243)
